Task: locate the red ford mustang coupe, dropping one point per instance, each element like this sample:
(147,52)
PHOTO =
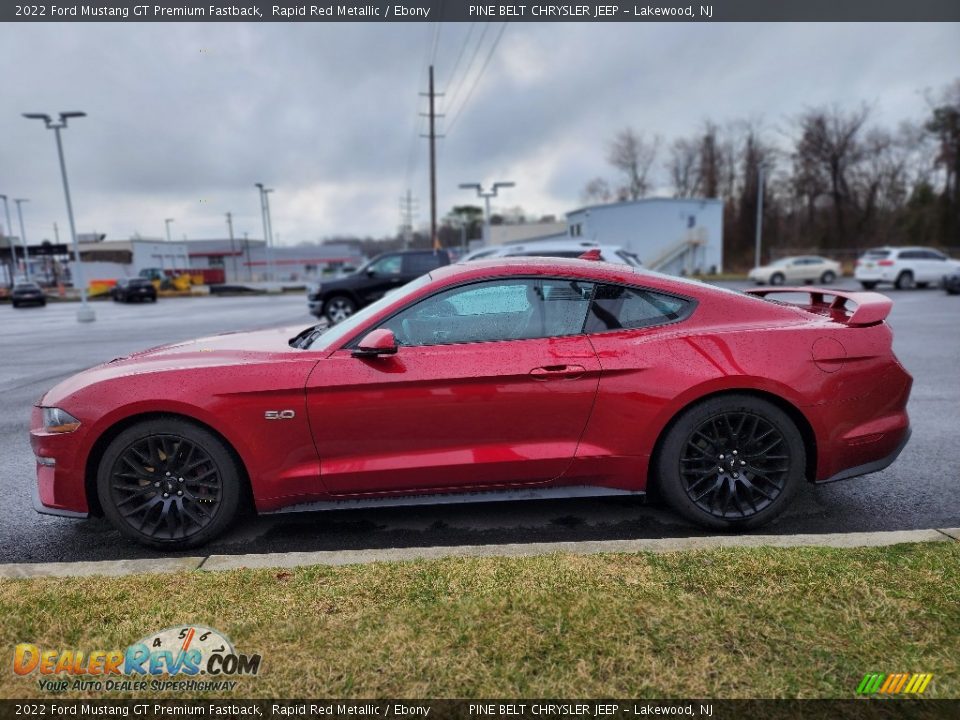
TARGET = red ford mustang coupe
(493,380)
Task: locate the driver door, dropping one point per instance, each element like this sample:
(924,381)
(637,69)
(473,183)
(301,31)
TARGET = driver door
(492,385)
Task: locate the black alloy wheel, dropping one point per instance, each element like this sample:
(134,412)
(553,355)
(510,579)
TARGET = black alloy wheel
(168,484)
(732,462)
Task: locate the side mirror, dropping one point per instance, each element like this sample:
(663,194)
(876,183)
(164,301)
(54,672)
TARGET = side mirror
(377,342)
(371,272)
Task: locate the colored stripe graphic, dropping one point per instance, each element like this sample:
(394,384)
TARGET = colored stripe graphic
(894,683)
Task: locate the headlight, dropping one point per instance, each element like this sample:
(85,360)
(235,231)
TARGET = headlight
(56,420)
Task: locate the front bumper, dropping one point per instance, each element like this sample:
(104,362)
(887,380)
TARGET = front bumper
(59,488)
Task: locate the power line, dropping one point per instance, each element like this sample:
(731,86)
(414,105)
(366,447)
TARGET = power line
(466,73)
(463,47)
(476,81)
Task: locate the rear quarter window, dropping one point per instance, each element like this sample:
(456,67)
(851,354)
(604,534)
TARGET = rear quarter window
(616,307)
(422,263)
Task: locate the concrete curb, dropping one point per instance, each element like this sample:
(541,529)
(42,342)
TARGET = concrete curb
(115,568)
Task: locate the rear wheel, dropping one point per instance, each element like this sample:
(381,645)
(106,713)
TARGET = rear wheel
(169,484)
(339,308)
(904,281)
(731,462)
(828,277)
(868,285)
(777,279)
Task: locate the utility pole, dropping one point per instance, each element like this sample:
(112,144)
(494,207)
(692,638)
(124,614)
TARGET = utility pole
(56,233)
(273,260)
(233,250)
(23,238)
(246,254)
(166,223)
(407,212)
(434,238)
(756,252)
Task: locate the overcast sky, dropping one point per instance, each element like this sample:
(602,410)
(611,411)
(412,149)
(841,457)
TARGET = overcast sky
(185,118)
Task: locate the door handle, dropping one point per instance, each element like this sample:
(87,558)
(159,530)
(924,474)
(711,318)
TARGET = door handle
(546,372)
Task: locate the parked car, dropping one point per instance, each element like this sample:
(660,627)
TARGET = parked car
(27,293)
(539,377)
(951,283)
(338,299)
(904,267)
(557,248)
(803,268)
(133,288)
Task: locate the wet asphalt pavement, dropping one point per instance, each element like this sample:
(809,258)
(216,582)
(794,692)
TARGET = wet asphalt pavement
(41,346)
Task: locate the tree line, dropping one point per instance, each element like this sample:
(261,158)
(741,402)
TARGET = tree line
(832,179)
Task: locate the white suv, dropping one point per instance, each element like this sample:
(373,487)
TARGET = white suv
(557,248)
(905,267)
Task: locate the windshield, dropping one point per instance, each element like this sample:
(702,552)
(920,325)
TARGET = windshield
(337,333)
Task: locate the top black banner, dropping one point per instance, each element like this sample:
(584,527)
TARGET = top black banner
(460,11)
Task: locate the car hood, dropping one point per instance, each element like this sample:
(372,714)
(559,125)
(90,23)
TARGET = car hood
(234,348)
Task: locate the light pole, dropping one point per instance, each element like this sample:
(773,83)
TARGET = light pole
(166,223)
(267,235)
(85,313)
(756,250)
(23,238)
(486,195)
(233,250)
(13,249)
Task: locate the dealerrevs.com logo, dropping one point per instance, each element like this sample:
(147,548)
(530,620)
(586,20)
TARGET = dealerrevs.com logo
(185,652)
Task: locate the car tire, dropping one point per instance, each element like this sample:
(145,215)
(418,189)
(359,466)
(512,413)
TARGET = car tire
(828,277)
(338,308)
(867,285)
(904,281)
(139,478)
(777,279)
(759,449)
(15,303)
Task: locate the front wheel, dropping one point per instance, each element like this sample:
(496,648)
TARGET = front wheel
(777,279)
(339,308)
(169,484)
(828,277)
(731,462)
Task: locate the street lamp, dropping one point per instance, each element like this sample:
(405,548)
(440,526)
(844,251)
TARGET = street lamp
(486,195)
(166,223)
(23,237)
(13,249)
(267,234)
(85,313)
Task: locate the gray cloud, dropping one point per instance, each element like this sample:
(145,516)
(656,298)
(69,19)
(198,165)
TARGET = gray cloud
(184,118)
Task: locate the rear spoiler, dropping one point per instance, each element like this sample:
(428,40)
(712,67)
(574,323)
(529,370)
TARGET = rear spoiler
(872,308)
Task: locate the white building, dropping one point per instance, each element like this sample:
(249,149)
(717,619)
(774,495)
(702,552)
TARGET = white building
(112,259)
(672,235)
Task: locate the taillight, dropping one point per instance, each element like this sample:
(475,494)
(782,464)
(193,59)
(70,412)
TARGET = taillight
(885,263)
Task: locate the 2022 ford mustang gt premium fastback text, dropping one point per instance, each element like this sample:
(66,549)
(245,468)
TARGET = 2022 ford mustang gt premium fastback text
(495,379)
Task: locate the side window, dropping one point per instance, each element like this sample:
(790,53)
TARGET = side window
(934,255)
(508,309)
(387,265)
(910,255)
(420,263)
(615,307)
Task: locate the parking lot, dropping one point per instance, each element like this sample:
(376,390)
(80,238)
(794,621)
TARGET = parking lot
(40,346)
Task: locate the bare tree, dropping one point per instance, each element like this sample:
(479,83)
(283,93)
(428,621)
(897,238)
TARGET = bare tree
(596,191)
(633,156)
(829,146)
(682,165)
